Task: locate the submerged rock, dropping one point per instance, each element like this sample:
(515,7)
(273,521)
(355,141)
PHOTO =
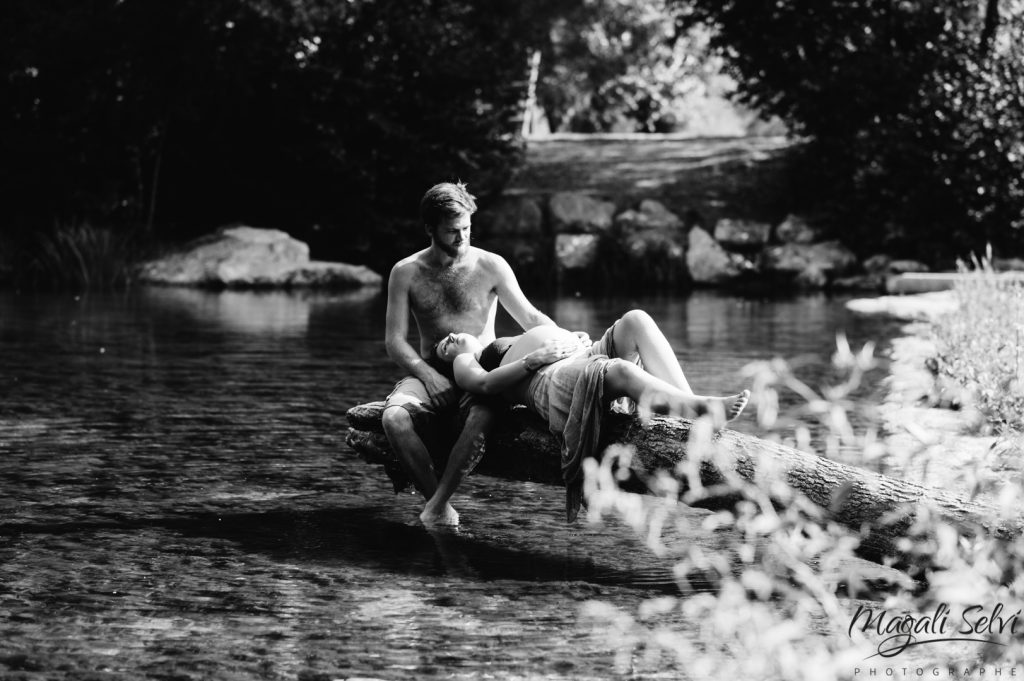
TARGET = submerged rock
(249,257)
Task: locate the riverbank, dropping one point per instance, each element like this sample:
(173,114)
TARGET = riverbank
(932,428)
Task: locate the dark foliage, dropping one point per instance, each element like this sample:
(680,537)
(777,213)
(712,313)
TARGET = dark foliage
(914,111)
(328,119)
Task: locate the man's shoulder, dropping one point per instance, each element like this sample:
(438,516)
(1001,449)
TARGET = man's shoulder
(408,265)
(488,259)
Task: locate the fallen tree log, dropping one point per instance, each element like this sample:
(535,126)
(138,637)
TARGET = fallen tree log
(876,506)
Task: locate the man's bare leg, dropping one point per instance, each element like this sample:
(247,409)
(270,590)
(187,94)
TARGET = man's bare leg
(407,445)
(437,510)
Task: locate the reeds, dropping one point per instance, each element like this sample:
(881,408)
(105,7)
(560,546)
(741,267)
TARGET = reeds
(77,256)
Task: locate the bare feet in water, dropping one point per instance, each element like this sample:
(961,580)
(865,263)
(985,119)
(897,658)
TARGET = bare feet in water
(445,516)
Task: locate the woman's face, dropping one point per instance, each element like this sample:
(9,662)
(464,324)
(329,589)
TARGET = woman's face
(454,344)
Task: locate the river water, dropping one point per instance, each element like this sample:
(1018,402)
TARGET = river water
(177,499)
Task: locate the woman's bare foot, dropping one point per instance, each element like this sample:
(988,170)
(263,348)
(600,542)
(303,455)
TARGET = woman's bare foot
(721,409)
(734,404)
(444,516)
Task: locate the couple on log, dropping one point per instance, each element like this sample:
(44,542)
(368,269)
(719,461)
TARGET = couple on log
(462,377)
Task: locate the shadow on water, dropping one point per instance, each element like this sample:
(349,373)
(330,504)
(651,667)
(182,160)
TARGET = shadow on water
(362,537)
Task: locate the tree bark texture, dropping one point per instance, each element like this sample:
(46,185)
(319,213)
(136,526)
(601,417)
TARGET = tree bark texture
(876,506)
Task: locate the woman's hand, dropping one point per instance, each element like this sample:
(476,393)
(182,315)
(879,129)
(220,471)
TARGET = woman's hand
(584,338)
(552,351)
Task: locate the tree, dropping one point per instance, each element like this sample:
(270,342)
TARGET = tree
(328,119)
(616,64)
(914,110)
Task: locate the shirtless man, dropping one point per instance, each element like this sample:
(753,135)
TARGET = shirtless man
(449,287)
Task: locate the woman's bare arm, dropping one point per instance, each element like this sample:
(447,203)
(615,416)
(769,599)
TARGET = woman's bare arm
(472,377)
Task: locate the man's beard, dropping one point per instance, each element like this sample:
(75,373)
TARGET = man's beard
(452,251)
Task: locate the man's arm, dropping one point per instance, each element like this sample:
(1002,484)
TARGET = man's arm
(514,300)
(396,332)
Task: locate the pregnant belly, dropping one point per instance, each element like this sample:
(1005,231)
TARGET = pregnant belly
(533,339)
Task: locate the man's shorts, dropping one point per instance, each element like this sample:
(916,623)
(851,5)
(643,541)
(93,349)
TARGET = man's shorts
(438,428)
(410,394)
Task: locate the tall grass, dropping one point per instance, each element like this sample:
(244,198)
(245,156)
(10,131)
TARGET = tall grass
(982,346)
(774,595)
(78,256)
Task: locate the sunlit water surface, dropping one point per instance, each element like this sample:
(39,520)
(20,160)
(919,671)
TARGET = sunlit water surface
(178,500)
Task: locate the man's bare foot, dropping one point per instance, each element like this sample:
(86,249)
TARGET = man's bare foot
(445,516)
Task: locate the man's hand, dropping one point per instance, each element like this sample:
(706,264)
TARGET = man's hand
(440,389)
(584,337)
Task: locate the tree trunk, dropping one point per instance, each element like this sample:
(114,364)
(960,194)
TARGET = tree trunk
(874,505)
(989,28)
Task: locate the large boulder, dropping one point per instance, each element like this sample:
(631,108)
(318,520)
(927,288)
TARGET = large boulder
(741,233)
(708,262)
(650,214)
(578,213)
(877,264)
(245,257)
(651,238)
(882,264)
(510,216)
(320,274)
(907,267)
(513,227)
(810,264)
(795,230)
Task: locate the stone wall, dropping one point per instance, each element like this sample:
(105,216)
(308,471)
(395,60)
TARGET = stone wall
(586,241)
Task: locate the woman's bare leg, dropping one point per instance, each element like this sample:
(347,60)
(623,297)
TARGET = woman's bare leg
(654,395)
(637,334)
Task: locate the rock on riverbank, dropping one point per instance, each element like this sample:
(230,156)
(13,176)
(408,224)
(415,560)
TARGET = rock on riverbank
(248,257)
(587,238)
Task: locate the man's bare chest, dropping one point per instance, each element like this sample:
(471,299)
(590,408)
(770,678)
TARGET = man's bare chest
(451,292)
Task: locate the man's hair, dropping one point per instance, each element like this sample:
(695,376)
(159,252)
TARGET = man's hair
(445,200)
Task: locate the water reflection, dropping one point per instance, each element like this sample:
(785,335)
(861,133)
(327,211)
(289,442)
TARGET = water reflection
(177,456)
(258,312)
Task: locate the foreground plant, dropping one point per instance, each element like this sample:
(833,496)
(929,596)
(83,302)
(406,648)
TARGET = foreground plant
(780,593)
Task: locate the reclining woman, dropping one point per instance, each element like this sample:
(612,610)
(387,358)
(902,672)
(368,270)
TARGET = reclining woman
(570,386)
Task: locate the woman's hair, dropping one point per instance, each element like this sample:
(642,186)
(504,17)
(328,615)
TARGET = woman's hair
(445,200)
